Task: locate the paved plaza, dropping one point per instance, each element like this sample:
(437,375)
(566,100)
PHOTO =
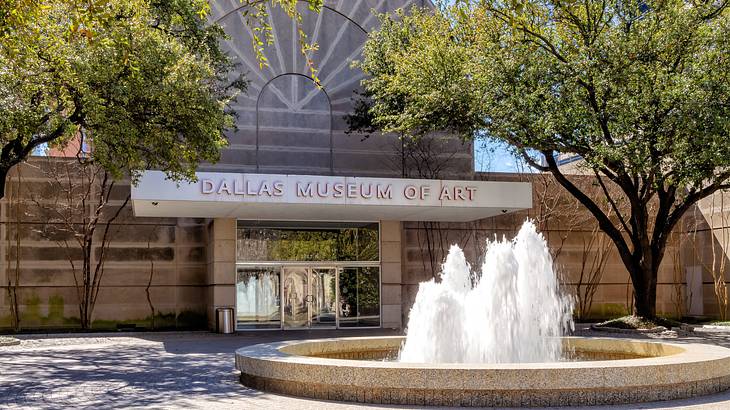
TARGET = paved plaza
(187,370)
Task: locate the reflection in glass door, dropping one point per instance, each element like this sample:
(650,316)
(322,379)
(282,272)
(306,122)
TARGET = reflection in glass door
(309,297)
(257,298)
(295,292)
(359,297)
(299,297)
(322,296)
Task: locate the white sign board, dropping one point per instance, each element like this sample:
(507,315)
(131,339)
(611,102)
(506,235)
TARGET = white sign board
(227,193)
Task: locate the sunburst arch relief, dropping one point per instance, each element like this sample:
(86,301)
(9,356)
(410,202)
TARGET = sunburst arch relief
(284,112)
(283,122)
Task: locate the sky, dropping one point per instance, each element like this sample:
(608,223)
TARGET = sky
(490,156)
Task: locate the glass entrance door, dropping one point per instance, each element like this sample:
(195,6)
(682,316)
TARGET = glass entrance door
(309,297)
(323,296)
(257,298)
(296,294)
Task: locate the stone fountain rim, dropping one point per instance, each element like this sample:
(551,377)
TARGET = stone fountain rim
(692,370)
(689,353)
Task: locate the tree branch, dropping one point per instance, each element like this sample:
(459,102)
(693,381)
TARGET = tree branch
(693,197)
(604,222)
(611,201)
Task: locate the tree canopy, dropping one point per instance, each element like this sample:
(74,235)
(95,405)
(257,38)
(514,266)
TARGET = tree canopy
(144,83)
(640,90)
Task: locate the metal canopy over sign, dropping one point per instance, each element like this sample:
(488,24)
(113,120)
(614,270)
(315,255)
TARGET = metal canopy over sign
(326,198)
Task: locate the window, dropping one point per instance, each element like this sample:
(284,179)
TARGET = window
(359,297)
(307,275)
(318,242)
(257,298)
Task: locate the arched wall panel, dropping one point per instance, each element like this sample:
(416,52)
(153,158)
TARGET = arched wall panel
(284,123)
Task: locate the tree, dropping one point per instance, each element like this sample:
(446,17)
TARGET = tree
(640,90)
(594,257)
(76,213)
(145,82)
(15,207)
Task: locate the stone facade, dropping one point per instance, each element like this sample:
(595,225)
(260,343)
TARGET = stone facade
(163,258)
(182,269)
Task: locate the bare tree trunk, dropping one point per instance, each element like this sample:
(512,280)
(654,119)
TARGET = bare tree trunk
(591,272)
(82,189)
(149,297)
(717,266)
(719,259)
(149,281)
(678,298)
(13,284)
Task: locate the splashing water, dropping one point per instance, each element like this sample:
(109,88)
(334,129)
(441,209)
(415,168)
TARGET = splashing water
(514,314)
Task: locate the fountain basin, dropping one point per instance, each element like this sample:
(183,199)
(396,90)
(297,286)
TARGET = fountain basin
(657,371)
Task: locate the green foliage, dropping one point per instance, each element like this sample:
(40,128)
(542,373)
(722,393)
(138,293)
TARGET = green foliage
(644,85)
(143,82)
(640,90)
(417,79)
(256,14)
(360,291)
(351,244)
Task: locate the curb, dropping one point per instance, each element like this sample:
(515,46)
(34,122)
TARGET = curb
(716,327)
(8,341)
(608,329)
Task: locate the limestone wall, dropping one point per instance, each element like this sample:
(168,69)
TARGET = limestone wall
(163,258)
(191,273)
(706,250)
(685,283)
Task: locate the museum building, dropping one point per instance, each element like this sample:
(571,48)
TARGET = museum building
(302,224)
(305,218)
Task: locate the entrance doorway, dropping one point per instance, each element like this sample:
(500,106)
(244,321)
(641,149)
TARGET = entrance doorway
(309,297)
(307,275)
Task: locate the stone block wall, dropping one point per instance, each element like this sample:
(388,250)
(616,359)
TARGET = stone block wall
(221,277)
(150,263)
(685,281)
(706,252)
(391,276)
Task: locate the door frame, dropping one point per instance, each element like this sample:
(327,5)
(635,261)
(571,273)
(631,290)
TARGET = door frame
(336,272)
(338,267)
(309,272)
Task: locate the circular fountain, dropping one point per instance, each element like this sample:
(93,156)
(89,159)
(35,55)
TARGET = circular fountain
(493,339)
(618,371)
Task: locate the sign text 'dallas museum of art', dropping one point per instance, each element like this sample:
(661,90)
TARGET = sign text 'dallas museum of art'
(306,197)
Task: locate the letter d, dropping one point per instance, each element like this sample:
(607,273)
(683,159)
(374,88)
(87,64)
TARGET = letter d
(207,186)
